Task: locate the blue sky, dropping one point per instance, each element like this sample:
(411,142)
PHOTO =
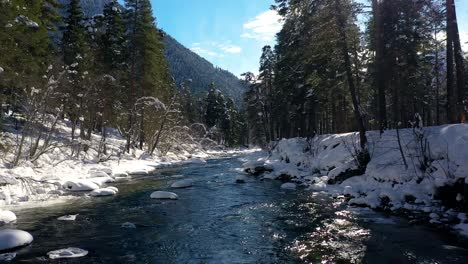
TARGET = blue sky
(231,33)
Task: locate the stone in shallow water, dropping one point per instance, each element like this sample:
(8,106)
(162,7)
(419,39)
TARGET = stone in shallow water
(13,238)
(67,218)
(6,217)
(109,191)
(164,195)
(67,253)
(182,184)
(128,225)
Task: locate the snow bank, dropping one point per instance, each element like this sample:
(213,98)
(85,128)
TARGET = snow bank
(164,195)
(435,157)
(12,238)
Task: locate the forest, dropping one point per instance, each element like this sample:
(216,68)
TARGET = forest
(99,73)
(343,66)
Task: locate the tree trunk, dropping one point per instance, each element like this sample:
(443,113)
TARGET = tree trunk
(460,67)
(379,50)
(451,98)
(349,74)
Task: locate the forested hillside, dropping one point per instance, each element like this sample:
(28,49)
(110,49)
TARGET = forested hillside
(186,65)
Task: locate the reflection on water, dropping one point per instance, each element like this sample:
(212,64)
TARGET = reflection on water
(218,221)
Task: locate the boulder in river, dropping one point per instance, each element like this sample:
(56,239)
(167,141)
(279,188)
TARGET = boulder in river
(70,252)
(109,191)
(182,184)
(13,238)
(80,185)
(67,218)
(164,195)
(6,217)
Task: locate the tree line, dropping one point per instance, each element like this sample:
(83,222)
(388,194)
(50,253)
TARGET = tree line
(108,71)
(342,66)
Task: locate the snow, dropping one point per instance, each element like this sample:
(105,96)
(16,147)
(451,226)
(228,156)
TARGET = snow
(322,160)
(182,184)
(109,191)
(67,218)
(81,185)
(13,238)
(71,252)
(462,228)
(128,225)
(164,195)
(6,217)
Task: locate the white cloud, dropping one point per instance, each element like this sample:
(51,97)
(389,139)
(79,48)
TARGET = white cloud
(215,49)
(229,48)
(264,26)
(205,52)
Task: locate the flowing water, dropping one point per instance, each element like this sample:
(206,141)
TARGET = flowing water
(219,221)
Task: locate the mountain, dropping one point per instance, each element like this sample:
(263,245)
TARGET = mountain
(90,7)
(187,65)
(184,63)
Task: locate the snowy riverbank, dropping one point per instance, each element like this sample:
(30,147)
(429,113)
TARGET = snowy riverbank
(59,173)
(433,183)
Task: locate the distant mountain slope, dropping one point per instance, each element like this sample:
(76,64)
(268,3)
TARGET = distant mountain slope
(90,7)
(185,64)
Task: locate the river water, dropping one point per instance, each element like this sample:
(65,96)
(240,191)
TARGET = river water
(219,221)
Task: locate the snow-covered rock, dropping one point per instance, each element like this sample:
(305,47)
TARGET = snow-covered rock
(182,184)
(289,186)
(80,185)
(6,217)
(100,181)
(128,225)
(67,218)
(109,191)
(462,229)
(71,252)
(164,195)
(13,238)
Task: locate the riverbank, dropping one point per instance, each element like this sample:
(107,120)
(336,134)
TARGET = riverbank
(427,176)
(61,170)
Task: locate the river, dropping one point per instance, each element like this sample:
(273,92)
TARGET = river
(219,221)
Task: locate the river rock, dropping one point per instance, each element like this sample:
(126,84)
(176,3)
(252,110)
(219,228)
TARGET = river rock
(67,218)
(109,191)
(6,217)
(182,184)
(80,185)
(13,238)
(71,252)
(128,225)
(164,195)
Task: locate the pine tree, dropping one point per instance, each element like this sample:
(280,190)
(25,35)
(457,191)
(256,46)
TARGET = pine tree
(149,74)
